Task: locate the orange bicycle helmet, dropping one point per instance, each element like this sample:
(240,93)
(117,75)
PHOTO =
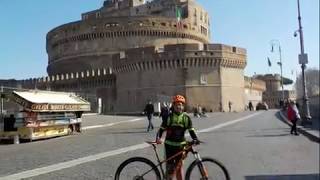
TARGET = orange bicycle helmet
(178,98)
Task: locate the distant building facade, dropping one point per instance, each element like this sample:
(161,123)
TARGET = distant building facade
(273,94)
(253,91)
(131,51)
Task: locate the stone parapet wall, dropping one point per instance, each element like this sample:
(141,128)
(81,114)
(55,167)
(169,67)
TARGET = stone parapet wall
(69,43)
(199,74)
(176,56)
(255,84)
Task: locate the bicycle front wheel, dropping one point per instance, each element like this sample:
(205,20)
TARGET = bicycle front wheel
(207,169)
(137,168)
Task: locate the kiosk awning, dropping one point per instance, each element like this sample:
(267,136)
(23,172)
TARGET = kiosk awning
(42,101)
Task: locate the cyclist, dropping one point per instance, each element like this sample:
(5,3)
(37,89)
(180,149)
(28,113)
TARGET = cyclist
(175,126)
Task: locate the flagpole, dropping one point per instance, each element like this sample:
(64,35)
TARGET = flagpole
(178,20)
(274,42)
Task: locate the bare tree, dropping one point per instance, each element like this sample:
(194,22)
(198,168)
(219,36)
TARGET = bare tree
(312,83)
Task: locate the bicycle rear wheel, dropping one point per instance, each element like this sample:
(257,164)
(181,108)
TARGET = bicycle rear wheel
(213,168)
(137,168)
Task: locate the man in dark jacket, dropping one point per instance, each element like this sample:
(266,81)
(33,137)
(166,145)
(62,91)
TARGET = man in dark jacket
(164,114)
(149,110)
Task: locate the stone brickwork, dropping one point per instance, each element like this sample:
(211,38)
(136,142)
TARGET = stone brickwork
(254,89)
(90,42)
(273,93)
(201,75)
(128,52)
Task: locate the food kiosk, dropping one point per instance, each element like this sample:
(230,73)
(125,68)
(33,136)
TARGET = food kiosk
(43,114)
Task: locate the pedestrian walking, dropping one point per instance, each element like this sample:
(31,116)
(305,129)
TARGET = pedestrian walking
(165,111)
(230,106)
(250,106)
(293,116)
(149,110)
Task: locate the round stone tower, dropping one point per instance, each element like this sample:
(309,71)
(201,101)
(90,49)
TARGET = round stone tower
(121,25)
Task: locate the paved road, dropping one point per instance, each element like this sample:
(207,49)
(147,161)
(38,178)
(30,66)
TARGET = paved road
(251,145)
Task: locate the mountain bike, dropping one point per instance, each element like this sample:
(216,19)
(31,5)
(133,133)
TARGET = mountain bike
(140,168)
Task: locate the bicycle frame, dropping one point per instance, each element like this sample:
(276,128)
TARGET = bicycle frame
(187,149)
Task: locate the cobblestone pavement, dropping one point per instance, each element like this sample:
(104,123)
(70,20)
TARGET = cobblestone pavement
(251,145)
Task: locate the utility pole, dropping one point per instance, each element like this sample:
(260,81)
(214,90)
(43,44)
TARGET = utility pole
(303,60)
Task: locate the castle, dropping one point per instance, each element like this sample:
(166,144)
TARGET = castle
(131,51)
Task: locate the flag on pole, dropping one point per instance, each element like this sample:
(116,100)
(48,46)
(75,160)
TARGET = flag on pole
(279,63)
(179,16)
(269,62)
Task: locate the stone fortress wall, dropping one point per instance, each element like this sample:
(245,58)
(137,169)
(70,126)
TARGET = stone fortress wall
(273,93)
(114,28)
(141,74)
(128,52)
(254,89)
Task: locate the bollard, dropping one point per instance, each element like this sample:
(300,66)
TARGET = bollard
(16,139)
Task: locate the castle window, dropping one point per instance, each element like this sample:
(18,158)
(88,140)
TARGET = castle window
(137,11)
(163,24)
(234,49)
(153,23)
(98,15)
(203,79)
(85,17)
(107,25)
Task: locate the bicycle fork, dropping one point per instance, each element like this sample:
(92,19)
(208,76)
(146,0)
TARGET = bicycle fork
(202,168)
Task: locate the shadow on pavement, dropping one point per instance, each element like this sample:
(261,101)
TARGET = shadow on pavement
(270,135)
(284,177)
(133,131)
(302,131)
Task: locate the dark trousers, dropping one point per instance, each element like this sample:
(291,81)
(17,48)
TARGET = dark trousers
(294,126)
(150,125)
(172,163)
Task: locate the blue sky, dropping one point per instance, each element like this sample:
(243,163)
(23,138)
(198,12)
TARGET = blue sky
(250,24)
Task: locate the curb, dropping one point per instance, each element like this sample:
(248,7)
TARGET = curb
(89,114)
(301,129)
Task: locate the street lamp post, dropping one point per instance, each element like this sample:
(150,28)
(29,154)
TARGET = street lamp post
(1,107)
(303,60)
(273,43)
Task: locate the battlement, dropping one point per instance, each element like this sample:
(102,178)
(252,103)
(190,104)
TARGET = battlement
(117,8)
(101,77)
(269,77)
(253,83)
(178,56)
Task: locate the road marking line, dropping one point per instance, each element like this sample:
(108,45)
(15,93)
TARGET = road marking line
(111,124)
(72,163)
(228,123)
(75,162)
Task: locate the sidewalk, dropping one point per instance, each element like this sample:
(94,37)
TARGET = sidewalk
(311,131)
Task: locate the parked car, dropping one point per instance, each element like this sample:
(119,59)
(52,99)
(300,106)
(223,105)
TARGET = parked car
(262,106)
